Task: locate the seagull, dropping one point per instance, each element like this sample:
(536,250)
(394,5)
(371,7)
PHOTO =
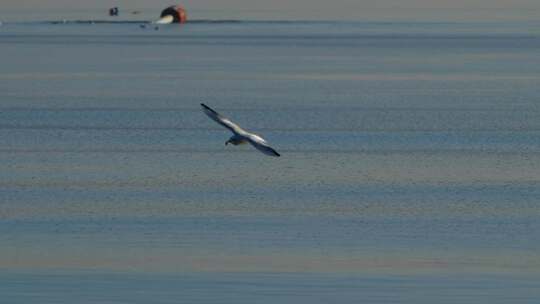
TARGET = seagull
(240,136)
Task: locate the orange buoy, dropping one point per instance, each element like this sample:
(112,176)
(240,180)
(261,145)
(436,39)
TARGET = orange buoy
(173,14)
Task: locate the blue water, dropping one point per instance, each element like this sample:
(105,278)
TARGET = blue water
(410,168)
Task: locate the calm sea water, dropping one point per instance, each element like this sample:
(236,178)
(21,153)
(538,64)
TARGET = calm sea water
(410,168)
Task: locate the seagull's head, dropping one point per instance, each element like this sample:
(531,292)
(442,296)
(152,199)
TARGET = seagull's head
(236,140)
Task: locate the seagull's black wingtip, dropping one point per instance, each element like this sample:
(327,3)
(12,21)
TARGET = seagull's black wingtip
(208,108)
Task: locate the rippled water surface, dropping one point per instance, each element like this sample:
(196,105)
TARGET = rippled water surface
(410,168)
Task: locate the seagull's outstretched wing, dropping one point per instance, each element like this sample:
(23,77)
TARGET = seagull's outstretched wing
(222,120)
(261,145)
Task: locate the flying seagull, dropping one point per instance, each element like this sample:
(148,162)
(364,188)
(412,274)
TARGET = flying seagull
(240,136)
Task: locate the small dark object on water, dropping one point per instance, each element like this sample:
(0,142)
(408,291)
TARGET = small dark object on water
(113,11)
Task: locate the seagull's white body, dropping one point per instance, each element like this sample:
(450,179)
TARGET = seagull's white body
(240,136)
